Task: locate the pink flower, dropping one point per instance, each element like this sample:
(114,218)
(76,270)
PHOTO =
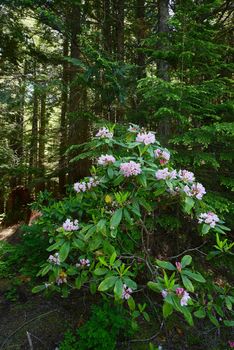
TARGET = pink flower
(165,174)
(178,266)
(180,292)
(126,294)
(105,160)
(69,225)
(186,176)
(231,344)
(197,190)
(54,259)
(83,263)
(130,169)
(209,218)
(92,182)
(146,138)
(80,187)
(104,133)
(163,156)
(164,293)
(184,300)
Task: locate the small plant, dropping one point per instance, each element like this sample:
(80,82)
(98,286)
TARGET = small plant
(107,324)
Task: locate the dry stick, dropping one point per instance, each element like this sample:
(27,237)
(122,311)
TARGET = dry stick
(29,340)
(23,325)
(147,339)
(188,250)
(32,335)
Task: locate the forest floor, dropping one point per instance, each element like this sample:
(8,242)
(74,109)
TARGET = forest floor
(25,317)
(32,318)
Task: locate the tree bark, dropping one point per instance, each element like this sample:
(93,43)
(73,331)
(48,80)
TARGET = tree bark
(140,35)
(34,132)
(163,29)
(78,122)
(41,143)
(63,121)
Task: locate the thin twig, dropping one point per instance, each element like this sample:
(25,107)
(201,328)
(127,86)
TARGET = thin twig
(188,250)
(23,325)
(147,339)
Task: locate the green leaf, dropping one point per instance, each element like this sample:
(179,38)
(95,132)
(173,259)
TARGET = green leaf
(116,219)
(45,270)
(64,251)
(55,246)
(39,288)
(212,318)
(131,304)
(107,283)
(118,289)
(167,309)
(78,243)
(195,276)
(146,316)
(205,229)
(127,216)
(112,258)
(187,283)
(186,260)
(142,180)
(130,283)
(100,271)
(187,315)
(165,265)
(200,313)
(110,172)
(228,302)
(159,191)
(92,288)
(229,323)
(154,286)
(188,204)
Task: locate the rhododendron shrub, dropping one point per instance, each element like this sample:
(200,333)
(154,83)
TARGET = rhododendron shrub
(108,234)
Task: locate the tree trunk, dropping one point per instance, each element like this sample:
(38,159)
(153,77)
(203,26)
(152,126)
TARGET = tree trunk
(41,146)
(163,29)
(164,126)
(63,121)
(107,28)
(140,35)
(34,133)
(78,122)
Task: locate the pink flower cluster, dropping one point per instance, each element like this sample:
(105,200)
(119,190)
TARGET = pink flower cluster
(197,190)
(231,344)
(69,225)
(105,160)
(163,156)
(131,168)
(186,176)
(165,174)
(146,138)
(84,186)
(209,218)
(54,259)
(181,293)
(104,133)
(126,294)
(83,263)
